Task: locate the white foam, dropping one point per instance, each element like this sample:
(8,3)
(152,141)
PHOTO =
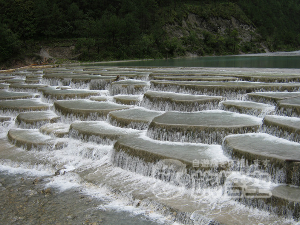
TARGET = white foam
(64,182)
(24,171)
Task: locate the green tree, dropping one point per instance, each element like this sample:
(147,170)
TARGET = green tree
(147,46)
(173,46)
(233,40)
(9,43)
(129,29)
(85,44)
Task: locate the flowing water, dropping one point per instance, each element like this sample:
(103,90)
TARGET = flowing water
(102,162)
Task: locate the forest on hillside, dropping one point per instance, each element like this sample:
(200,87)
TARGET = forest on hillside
(130,29)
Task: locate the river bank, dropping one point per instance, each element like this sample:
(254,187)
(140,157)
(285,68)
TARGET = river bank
(292,53)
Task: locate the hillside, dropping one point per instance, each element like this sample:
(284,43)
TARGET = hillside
(37,31)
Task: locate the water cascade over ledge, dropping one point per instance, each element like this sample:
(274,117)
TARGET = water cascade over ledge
(165,145)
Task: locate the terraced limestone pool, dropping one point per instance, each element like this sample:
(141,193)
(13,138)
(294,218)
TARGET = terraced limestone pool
(150,145)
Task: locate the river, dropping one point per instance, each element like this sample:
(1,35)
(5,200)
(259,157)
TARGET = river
(264,60)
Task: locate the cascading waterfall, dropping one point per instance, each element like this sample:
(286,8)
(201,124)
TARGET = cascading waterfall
(171,187)
(169,170)
(172,106)
(90,138)
(229,94)
(202,182)
(134,125)
(54,82)
(279,132)
(128,87)
(204,136)
(98,85)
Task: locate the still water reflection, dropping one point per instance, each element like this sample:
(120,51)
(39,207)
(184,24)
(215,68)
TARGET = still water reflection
(220,61)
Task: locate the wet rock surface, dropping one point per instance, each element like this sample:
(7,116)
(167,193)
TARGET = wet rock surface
(208,127)
(169,101)
(137,118)
(98,131)
(8,95)
(248,107)
(86,109)
(282,155)
(36,119)
(271,97)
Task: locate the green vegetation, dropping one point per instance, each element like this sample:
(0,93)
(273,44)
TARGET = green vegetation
(9,43)
(131,29)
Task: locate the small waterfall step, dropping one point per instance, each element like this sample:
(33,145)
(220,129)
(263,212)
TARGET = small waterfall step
(248,107)
(26,87)
(289,107)
(10,95)
(128,87)
(57,70)
(37,119)
(98,131)
(169,101)
(94,82)
(132,150)
(99,98)
(97,82)
(86,109)
(256,190)
(188,77)
(276,156)
(269,78)
(282,127)
(187,72)
(14,155)
(90,78)
(5,77)
(173,202)
(4,86)
(128,99)
(22,73)
(207,127)
(61,75)
(15,80)
(32,139)
(271,97)
(137,118)
(60,130)
(34,78)
(228,89)
(22,105)
(122,74)
(60,93)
